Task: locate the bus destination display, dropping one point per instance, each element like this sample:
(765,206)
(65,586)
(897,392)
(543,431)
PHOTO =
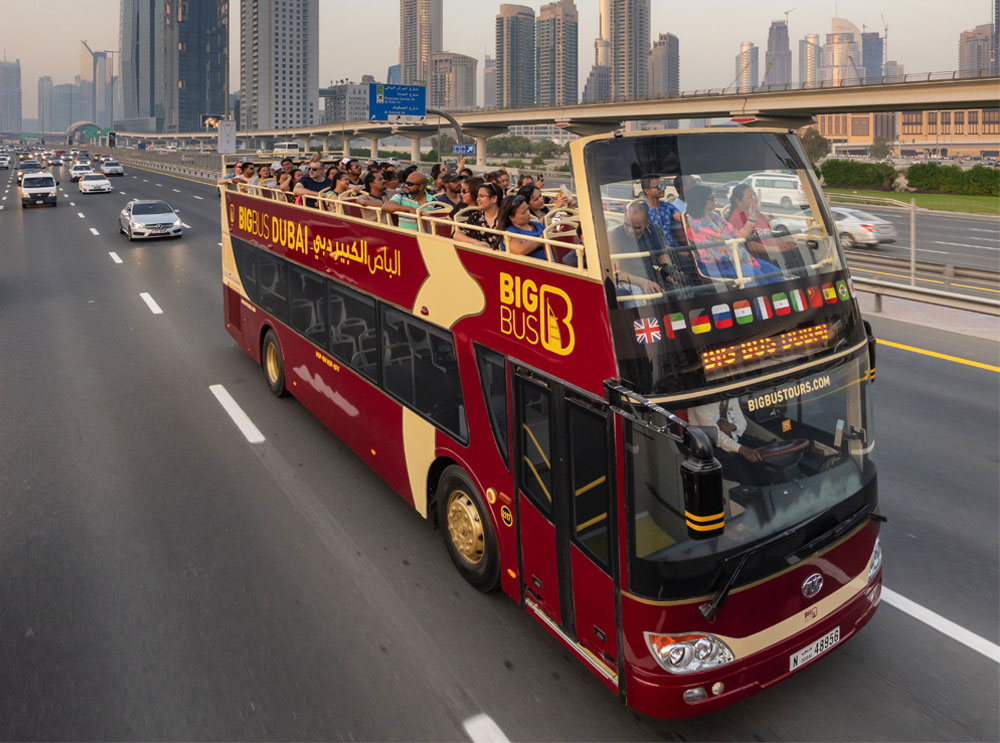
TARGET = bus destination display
(763,352)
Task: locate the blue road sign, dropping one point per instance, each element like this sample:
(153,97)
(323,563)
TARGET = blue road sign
(396,102)
(464,149)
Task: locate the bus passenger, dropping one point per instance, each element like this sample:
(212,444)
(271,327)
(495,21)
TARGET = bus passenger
(391,182)
(236,178)
(374,185)
(412,193)
(467,194)
(312,184)
(451,192)
(661,213)
(515,218)
(488,198)
(636,235)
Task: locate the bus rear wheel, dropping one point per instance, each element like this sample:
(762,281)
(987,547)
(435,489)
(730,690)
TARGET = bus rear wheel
(273,363)
(467,530)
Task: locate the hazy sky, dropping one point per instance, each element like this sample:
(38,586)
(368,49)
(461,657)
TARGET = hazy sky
(360,38)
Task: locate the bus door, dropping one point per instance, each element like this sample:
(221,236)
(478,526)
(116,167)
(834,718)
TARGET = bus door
(566,516)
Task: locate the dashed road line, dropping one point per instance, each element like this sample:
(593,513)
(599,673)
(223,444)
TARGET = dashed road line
(72,203)
(175,190)
(198,197)
(122,193)
(94,231)
(115,257)
(482,729)
(241,419)
(151,303)
(945,626)
(79,214)
(185,225)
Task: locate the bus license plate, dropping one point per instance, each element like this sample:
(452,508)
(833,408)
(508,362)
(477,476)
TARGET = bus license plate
(814,650)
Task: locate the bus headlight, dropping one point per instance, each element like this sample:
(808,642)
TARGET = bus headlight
(876,560)
(688,653)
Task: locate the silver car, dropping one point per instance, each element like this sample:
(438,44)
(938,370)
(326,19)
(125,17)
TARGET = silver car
(861,228)
(112,167)
(148,218)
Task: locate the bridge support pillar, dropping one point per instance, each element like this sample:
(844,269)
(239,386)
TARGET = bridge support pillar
(347,145)
(415,149)
(374,147)
(481,134)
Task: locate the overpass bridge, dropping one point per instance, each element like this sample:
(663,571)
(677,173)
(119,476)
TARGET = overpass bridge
(785,106)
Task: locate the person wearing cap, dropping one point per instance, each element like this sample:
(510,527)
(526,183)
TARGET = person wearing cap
(451,192)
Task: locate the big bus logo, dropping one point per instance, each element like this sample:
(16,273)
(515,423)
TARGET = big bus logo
(539,315)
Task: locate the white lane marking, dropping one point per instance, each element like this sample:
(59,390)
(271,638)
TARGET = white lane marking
(144,180)
(966,245)
(944,626)
(980,229)
(482,729)
(175,190)
(122,193)
(220,245)
(151,303)
(115,257)
(928,250)
(198,197)
(159,185)
(241,419)
(4,198)
(1,206)
(94,231)
(79,214)
(72,203)
(185,225)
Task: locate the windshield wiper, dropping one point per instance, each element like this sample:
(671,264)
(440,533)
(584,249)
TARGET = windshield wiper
(834,533)
(710,609)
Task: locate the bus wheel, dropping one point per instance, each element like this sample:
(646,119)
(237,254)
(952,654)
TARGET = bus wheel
(273,363)
(467,530)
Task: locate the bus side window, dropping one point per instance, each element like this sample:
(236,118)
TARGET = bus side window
(590,484)
(352,315)
(536,445)
(493,376)
(272,285)
(246,260)
(307,308)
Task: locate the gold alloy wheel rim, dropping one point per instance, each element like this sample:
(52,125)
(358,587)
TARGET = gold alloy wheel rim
(271,357)
(465,527)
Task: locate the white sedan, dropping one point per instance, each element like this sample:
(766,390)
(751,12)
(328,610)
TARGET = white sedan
(95,183)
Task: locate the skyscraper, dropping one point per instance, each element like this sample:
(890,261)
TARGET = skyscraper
(872,56)
(10,96)
(974,50)
(842,63)
(141,42)
(665,66)
(810,59)
(452,80)
(420,35)
(394,75)
(894,72)
(778,58)
(628,26)
(556,60)
(61,106)
(515,49)
(196,39)
(279,63)
(93,67)
(747,61)
(44,103)
(490,82)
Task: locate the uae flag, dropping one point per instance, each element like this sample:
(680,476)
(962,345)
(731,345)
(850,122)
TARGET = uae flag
(829,294)
(781,304)
(762,306)
(798,299)
(700,322)
(722,316)
(743,312)
(815,298)
(674,324)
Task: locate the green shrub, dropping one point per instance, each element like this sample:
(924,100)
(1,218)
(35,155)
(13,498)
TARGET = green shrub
(538,161)
(977,181)
(515,164)
(851,173)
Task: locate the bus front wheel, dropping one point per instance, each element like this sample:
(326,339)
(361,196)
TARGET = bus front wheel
(467,530)
(273,363)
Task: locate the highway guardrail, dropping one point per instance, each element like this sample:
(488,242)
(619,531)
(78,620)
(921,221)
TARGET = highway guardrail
(951,300)
(945,271)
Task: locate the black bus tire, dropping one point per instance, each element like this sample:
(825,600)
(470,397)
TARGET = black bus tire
(467,530)
(273,363)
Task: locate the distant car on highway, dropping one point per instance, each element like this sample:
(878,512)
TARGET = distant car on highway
(5,162)
(112,167)
(38,188)
(79,170)
(55,160)
(142,219)
(861,228)
(94,183)
(28,167)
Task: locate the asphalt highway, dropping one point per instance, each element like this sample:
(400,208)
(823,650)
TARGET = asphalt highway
(163,579)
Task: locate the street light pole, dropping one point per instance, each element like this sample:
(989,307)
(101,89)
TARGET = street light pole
(111,123)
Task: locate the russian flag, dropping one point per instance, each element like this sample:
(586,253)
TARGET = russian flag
(722,317)
(700,322)
(762,306)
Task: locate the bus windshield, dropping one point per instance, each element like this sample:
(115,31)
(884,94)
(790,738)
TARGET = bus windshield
(719,257)
(789,453)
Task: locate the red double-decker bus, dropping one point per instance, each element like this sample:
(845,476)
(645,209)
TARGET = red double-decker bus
(657,439)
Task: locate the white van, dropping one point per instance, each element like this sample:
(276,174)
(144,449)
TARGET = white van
(287,149)
(778,188)
(38,188)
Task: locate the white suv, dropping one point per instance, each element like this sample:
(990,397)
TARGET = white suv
(79,170)
(778,188)
(5,162)
(38,188)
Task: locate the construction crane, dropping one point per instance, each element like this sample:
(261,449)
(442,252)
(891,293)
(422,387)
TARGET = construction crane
(885,42)
(787,13)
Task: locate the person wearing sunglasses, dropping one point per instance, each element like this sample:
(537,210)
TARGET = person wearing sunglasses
(312,183)
(661,213)
(515,218)
(412,194)
(488,197)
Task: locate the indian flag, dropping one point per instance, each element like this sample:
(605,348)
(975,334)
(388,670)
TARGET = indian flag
(742,312)
(798,299)
(700,322)
(780,301)
(674,323)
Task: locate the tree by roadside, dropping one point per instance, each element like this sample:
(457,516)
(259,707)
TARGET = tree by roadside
(815,144)
(880,148)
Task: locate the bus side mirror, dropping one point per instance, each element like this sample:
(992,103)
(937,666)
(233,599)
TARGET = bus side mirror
(871,350)
(701,478)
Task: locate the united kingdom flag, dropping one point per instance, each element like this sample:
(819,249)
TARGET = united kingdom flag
(647,330)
